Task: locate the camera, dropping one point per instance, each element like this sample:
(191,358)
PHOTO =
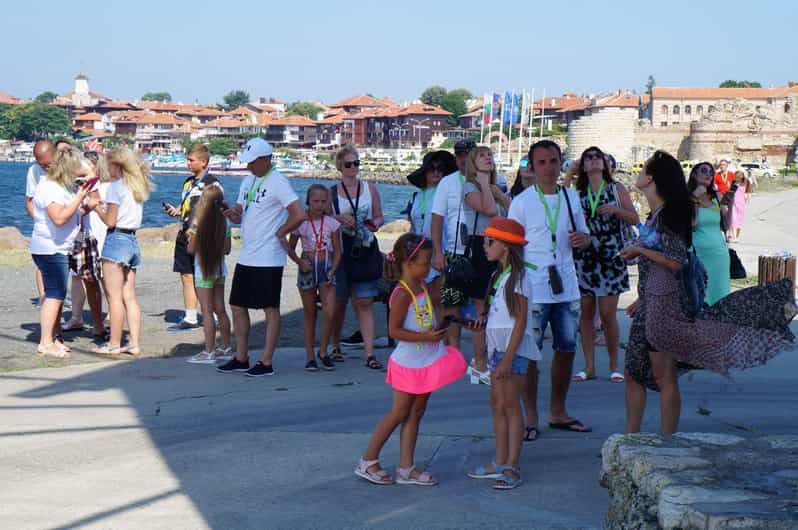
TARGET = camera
(555,281)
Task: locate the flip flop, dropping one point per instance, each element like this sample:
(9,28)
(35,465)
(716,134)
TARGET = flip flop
(617,377)
(569,426)
(581,377)
(531,434)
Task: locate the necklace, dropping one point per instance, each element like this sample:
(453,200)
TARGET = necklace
(424,318)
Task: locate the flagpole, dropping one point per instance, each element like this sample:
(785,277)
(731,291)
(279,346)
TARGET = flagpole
(542,111)
(501,128)
(482,120)
(510,129)
(521,124)
(531,115)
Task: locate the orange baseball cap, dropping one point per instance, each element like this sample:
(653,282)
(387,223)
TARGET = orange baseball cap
(507,230)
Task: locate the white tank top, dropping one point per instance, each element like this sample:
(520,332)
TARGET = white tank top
(364,210)
(416,354)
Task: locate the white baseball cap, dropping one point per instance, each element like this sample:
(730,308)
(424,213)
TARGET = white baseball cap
(254,149)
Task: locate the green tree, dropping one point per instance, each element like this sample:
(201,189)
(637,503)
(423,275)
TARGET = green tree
(792,83)
(731,83)
(456,104)
(33,121)
(304,108)
(463,93)
(222,146)
(433,95)
(157,96)
(235,99)
(45,97)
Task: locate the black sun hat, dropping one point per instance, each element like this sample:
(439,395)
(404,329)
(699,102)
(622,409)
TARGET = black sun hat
(445,159)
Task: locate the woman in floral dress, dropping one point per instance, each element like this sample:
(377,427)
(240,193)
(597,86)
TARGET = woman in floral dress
(663,339)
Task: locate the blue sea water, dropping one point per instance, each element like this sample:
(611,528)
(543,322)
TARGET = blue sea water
(12,207)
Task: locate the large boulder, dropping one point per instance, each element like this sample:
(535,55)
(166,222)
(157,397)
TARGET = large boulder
(12,239)
(395,227)
(158,234)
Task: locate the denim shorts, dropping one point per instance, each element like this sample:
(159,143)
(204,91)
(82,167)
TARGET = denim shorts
(519,363)
(344,288)
(55,274)
(123,249)
(317,276)
(564,320)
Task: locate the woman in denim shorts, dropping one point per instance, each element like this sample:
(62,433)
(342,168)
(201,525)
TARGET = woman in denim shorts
(121,256)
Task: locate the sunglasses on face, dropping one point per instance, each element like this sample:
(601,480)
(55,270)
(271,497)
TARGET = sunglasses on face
(348,165)
(593,156)
(436,167)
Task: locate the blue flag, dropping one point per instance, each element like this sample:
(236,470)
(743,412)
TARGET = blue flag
(515,112)
(494,110)
(507,106)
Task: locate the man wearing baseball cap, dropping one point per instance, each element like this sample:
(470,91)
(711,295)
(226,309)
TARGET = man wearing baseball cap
(267,209)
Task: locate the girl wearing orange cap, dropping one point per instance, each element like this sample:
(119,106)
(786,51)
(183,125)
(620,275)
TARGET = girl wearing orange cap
(511,347)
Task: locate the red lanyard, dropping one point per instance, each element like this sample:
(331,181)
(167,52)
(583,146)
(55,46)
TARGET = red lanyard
(319,237)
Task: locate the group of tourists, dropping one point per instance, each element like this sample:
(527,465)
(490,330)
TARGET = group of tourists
(503,264)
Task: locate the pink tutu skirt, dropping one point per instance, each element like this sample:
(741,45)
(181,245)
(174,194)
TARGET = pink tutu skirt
(446,369)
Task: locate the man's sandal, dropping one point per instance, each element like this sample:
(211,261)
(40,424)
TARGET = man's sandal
(337,356)
(482,472)
(404,475)
(379,477)
(509,482)
(373,363)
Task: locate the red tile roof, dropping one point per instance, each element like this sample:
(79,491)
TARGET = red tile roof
(723,93)
(148,118)
(89,116)
(293,121)
(420,108)
(159,106)
(118,105)
(557,103)
(362,100)
(224,123)
(9,99)
(241,111)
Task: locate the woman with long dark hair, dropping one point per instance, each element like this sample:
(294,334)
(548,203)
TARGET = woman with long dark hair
(602,274)
(665,338)
(712,216)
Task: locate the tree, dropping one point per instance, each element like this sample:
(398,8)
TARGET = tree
(792,83)
(45,97)
(731,83)
(463,93)
(157,96)
(222,146)
(235,99)
(433,95)
(33,121)
(455,103)
(304,108)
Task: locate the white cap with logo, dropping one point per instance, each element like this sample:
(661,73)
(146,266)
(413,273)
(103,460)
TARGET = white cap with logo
(254,149)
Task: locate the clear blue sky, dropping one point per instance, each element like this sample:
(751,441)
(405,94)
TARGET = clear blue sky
(297,50)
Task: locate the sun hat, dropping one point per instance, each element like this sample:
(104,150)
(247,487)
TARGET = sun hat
(418,178)
(464,146)
(255,148)
(507,230)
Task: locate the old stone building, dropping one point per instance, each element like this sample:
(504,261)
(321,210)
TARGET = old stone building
(608,122)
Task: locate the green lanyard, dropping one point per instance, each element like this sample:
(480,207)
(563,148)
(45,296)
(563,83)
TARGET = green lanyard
(552,220)
(496,284)
(593,200)
(424,201)
(254,190)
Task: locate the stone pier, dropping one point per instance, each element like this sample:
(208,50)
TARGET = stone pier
(700,481)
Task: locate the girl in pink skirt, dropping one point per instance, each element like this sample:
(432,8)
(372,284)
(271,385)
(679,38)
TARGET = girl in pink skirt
(419,365)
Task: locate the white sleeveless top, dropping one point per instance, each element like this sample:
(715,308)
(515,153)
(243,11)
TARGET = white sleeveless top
(417,354)
(364,210)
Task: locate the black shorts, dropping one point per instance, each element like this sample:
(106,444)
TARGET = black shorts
(256,287)
(479,287)
(184,262)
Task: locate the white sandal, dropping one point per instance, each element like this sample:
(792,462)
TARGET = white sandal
(203,357)
(617,377)
(404,475)
(379,477)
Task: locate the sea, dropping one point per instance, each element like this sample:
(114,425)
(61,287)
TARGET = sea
(12,209)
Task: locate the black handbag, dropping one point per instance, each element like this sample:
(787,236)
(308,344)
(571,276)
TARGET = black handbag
(694,279)
(736,269)
(361,263)
(459,272)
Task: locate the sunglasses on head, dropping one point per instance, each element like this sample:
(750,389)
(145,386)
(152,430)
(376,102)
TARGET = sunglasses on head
(593,156)
(355,163)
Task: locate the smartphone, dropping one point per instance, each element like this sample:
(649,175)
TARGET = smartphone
(165,206)
(443,324)
(90,183)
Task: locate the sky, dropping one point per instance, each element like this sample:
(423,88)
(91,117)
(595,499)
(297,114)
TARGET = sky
(329,50)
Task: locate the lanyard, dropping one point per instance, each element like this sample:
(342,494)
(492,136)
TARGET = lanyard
(424,202)
(319,237)
(354,205)
(593,200)
(254,190)
(184,205)
(423,323)
(496,284)
(552,220)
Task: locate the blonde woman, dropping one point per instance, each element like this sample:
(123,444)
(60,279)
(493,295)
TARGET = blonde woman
(483,201)
(124,204)
(56,204)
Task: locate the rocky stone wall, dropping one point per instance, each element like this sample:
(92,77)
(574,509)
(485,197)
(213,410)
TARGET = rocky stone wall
(611,129)
(700,481)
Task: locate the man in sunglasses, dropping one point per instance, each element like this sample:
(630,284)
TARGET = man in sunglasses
(555,225)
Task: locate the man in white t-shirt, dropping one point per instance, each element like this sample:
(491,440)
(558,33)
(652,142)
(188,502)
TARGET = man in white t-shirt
(268,210)
(43,152)
(555,226)
(447,204)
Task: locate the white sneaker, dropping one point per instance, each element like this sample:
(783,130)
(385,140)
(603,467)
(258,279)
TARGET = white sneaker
(202,357)
(223,354)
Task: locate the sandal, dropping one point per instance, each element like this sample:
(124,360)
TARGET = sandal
(581,377)
(404,475)
(132,349)
(58,339)
(107,349)
(531,434)
(509,482)
(373,363)
(617,377)
(73,325)
(482,472)
(337,356)
(53,350)
(379,477)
